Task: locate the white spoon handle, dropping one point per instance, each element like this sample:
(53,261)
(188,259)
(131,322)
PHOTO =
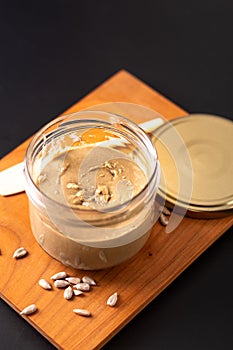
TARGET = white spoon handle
(12,180)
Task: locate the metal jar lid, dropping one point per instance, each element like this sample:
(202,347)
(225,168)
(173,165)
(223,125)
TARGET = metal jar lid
(196,157)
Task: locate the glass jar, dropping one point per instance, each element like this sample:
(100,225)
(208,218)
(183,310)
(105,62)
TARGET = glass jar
(70,165)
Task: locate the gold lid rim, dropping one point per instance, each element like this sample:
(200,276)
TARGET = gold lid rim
(204,207)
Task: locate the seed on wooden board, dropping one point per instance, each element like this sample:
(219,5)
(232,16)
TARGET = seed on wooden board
(73,280)
(165,211)
(44,284)
(77,292)
(20,253)
(82,312)
(112,300)
(84,287)
(89,280)
(28,310)
(163,219)
(68,293)
(61,283)
(59,275)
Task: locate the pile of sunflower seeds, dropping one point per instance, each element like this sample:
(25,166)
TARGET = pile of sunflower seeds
(72,286)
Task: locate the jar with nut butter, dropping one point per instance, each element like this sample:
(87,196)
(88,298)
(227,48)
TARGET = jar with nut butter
(91,179)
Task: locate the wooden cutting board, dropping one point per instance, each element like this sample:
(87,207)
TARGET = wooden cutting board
(138,281)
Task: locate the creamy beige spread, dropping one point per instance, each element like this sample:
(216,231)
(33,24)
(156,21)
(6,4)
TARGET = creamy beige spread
(90,178)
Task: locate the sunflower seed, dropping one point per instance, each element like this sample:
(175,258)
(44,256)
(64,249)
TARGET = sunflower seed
(102,256)
(28,310)
(77,201)
(102,194)
(41,178)
(61,283)
(82,312)
(73,280)
(163,220)
(165,211)
(84,287)
(77,292)
(59,275)
(44,284)
(64,168)
(112,300)
(89,280)
(72,185)
(68,293)
(20,253)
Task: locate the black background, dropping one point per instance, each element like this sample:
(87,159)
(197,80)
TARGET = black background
(52,54)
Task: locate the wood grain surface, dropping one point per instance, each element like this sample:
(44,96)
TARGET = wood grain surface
(138,281)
